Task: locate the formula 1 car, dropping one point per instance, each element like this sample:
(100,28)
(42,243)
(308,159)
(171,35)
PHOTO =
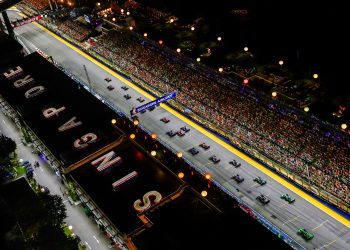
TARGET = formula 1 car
(305,234)
(214,159)
(194,151)
(260,180)
(263,199)
(140,99)
(165,120)
(238,178)
(171,133)
(235,163)
(127,96)
(205,146)
(180,133)
(185,129)
(288,198)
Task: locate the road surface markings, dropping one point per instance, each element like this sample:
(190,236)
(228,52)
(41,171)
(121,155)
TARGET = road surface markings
(319,225)
(293,219)
(3,121)
(42,170)
(330,243)
(96,239)
(276,177)
(87,244)
(254,185)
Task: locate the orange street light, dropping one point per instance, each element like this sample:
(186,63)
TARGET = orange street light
(207,176)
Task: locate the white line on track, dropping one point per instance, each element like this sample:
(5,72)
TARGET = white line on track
(87,245)
(96,239)
(330,243)
(319,225)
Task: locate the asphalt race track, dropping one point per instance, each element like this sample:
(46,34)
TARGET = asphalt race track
(330,233)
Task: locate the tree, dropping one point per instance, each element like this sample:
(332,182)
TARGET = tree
(7,146)
(56,210)
(52,237)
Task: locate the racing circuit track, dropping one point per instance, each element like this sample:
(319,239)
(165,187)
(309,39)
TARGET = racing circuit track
(331,230)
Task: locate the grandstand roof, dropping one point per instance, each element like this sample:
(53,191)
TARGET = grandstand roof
(60,91)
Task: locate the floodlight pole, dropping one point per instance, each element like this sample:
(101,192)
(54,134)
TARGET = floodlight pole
(87,76)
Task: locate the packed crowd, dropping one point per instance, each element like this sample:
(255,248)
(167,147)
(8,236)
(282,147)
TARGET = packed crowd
(39,5)
(74,29)
(297,144)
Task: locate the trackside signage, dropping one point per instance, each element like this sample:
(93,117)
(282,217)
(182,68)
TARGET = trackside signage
(155,102)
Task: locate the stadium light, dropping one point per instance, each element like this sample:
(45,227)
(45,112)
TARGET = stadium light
(306,109)
(181,175)
(145,34)
(274,94)
(132,136)
(245,49)
(280,62)
(221,70)
(192,28)
(344,126)
(219,38)
(315,76)
(178,50)
(154,136)
(153,153)
(179,154)
(204,193)
(198,59)
(114,121)
(113,19)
